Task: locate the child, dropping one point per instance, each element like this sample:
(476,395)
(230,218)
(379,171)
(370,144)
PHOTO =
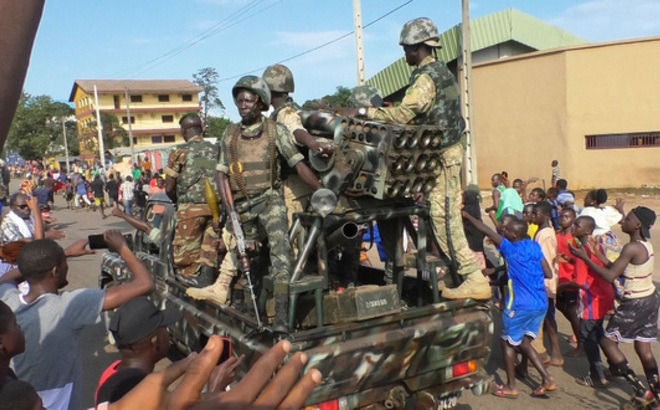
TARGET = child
(527,217)
(596,298)
(555,173)
(526,301)
(636,318)
(567,298)
(547,239)
(551,197)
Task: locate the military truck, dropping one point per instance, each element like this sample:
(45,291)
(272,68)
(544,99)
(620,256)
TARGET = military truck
(378,345)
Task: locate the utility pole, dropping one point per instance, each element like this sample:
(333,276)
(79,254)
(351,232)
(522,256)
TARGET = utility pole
(466,100)
(359,50)
(99,125)
(66,147)
(130,128)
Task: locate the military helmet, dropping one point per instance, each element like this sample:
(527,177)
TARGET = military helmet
(365,96)
(256,85)
(279,79)
(419,30)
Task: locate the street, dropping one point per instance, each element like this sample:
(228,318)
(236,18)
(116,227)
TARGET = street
(98,354)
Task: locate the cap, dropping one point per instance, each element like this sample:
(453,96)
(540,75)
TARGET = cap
(136,319)
(647,218)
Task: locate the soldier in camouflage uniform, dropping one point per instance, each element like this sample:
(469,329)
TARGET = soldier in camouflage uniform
(432,98)
(195,255)
(249,161)
(280,82)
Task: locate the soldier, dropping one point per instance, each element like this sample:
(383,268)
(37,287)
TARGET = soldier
(280,82)
(432,98)
(195,239)
(249,180)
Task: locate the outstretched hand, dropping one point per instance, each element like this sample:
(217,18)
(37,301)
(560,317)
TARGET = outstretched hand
(578,251)
(256,391)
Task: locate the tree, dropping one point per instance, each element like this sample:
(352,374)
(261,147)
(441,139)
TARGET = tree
(215,126)
(36,130)
(339,99)
(114,135)
(207,78)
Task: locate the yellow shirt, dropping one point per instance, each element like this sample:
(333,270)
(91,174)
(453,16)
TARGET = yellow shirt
(531,230)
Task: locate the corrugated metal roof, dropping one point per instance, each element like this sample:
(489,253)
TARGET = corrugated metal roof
(487,31)
(135,86)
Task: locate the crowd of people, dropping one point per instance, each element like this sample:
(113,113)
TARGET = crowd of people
(562,256)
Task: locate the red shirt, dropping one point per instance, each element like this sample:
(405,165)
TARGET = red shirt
(112,369)
(566,269)
(596,294)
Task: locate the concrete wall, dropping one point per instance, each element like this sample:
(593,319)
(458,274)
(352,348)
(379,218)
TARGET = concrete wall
(531,109)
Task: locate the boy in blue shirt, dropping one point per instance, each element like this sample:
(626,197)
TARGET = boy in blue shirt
(525,304)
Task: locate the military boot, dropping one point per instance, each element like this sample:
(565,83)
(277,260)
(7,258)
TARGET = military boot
(281,319)
(217,293)
(205,278)
(238,299)
(475,286)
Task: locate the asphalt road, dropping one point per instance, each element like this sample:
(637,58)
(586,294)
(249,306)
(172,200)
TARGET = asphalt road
(98,354)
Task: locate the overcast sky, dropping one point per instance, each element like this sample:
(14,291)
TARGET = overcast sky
(168,39)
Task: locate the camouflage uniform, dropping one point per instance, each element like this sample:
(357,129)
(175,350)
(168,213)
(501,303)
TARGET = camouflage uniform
(296,192)
(261,208)
(194,243)
(433,98)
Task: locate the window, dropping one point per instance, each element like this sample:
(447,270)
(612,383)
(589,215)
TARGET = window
(168,118)
(186,97)
(618,141)
(136,98)
(156,139)
(135,140)
(124,120)
(163,98)
(168,138)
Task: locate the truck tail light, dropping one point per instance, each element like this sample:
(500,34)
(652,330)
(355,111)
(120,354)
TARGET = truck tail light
(463,369)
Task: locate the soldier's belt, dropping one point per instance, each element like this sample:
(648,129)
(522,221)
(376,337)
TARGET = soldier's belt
(238,167)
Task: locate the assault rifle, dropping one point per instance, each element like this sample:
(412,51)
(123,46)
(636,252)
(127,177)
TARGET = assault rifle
(232,214)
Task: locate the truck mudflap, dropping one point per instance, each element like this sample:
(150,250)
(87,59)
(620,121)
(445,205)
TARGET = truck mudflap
(414,352)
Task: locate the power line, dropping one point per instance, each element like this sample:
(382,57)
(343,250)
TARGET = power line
(222,25)
(327,43)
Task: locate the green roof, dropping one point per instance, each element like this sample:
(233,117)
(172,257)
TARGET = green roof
(487,31)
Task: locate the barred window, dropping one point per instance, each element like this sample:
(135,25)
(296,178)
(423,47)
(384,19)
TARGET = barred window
(628,140)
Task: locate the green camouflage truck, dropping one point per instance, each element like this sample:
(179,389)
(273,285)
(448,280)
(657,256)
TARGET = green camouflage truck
(393,346)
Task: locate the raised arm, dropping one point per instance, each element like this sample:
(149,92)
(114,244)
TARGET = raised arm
(141,284)
(612,272)
(483,228)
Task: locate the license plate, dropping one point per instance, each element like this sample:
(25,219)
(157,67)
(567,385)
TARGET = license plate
(448,402)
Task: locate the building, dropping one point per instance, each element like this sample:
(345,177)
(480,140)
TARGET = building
(155,105)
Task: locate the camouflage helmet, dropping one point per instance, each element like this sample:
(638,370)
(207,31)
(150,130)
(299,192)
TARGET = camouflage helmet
(419,30)
(256,85)
(365,96)
(279,79)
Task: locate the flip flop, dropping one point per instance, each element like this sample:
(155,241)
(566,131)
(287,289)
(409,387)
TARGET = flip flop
(502,392)
(541,392)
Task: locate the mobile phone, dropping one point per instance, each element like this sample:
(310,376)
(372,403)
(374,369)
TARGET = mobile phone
(97,241)
(226,349)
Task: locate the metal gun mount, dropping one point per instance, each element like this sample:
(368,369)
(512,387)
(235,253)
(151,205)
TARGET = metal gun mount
(383,161)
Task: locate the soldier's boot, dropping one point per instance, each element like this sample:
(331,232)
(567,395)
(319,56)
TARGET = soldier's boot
(218,292)
(238,299)
(205,278)
(281,319)
(475,286)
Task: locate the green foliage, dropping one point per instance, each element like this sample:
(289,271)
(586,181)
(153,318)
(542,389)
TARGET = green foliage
(215,126)
(341,98)
(36,131)
(207,78)
(114,135)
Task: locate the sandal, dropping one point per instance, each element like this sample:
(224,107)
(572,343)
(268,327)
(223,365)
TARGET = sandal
(590,382)
(540,392)
(502,392)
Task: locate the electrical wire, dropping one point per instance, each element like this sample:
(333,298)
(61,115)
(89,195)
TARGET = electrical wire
(320,46)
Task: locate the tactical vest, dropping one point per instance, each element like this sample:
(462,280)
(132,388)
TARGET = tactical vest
(446,112)
(201,160)
(252,160)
